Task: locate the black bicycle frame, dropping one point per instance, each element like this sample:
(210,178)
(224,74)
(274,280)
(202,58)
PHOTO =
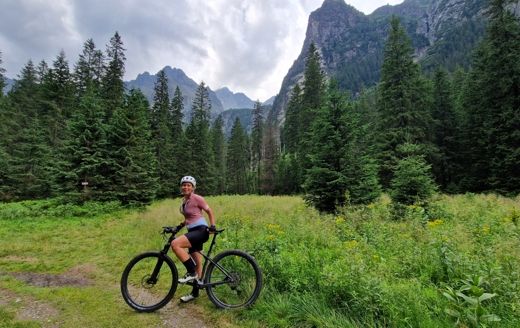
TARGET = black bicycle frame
(206,259)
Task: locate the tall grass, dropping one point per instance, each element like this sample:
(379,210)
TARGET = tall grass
(368,269)
(361,268)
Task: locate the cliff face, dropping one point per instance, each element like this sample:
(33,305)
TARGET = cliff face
(327,26)
(445,14)
(351,44)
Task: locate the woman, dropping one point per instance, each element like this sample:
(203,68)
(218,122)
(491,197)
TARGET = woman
(198,234)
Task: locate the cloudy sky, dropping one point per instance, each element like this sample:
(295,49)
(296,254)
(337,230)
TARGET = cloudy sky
(246,45)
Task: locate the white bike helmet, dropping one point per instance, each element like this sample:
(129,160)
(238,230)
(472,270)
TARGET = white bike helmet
(189,179)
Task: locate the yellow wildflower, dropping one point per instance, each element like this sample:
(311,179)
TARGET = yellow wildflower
(350,244)
(434,223)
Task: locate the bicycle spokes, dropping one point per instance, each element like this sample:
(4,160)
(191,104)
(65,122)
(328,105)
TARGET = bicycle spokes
(148,282)
(234,280)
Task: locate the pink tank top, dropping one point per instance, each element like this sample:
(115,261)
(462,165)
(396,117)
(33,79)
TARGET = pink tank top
(192,208)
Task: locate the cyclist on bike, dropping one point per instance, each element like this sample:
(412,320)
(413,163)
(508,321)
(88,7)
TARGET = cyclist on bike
(198,233)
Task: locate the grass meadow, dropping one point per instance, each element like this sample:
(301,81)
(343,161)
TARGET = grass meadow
(455,262)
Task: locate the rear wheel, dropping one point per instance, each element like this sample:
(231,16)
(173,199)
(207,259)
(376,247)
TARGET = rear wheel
(149,281)
(234,279)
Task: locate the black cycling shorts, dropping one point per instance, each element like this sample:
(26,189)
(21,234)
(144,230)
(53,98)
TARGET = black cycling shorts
(197,236)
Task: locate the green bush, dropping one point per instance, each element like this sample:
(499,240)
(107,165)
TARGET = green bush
(54,208)
(412,181)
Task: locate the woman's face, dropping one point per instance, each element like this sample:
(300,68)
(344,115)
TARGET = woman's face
(186,188)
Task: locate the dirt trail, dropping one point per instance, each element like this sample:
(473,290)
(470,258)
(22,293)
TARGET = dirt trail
(182,315)
(29,309)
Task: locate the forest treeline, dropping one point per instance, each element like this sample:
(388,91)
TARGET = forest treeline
(78,134)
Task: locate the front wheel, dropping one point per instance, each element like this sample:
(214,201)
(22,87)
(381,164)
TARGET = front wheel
(149,281)
(233,280)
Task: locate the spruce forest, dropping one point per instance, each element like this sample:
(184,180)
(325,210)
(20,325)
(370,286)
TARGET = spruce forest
(74,132)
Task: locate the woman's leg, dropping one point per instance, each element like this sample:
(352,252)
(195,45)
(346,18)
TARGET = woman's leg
(198,263)
(178,246)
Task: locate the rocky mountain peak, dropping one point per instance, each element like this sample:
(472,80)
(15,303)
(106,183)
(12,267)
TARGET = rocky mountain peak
(443,32)
(230,99)
(331,20)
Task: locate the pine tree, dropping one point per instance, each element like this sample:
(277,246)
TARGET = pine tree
(176,110)
(302,110)
(362,182)
(287,175)
(359,165)
(4,157)
(446,122)
(134,179)
(269,161)
(58,86)
(412,181)
(403,101)
(313,89)
(58,101)
(29,161)
(493,101)
(113,89)
(312,100)
(257,134)
(85,174)
(459,90)
(365,111)
(178,138)
(325,184)
(291,127)
(257,137)
(237,161)
(199,157)
(90,68)
(42,70)
(162,134)
(218,144)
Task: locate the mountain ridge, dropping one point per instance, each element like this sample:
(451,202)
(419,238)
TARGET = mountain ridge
(176,77)
(230,99)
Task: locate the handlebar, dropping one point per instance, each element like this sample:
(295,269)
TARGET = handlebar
(175,230)
(172,230)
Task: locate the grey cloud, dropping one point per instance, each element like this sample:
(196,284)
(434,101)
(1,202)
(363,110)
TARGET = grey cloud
(223,42)
(33,31)
(148,30)
(261,24)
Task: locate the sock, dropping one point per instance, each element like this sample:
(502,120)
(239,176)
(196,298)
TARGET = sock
(190,265)
(195,291)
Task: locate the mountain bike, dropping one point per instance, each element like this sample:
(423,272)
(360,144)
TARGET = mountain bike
(232,279)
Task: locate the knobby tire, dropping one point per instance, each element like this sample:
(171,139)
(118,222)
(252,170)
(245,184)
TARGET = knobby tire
(237,278)
(139,291)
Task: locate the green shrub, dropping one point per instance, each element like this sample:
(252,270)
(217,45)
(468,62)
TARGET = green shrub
(412,181)
(54,208)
